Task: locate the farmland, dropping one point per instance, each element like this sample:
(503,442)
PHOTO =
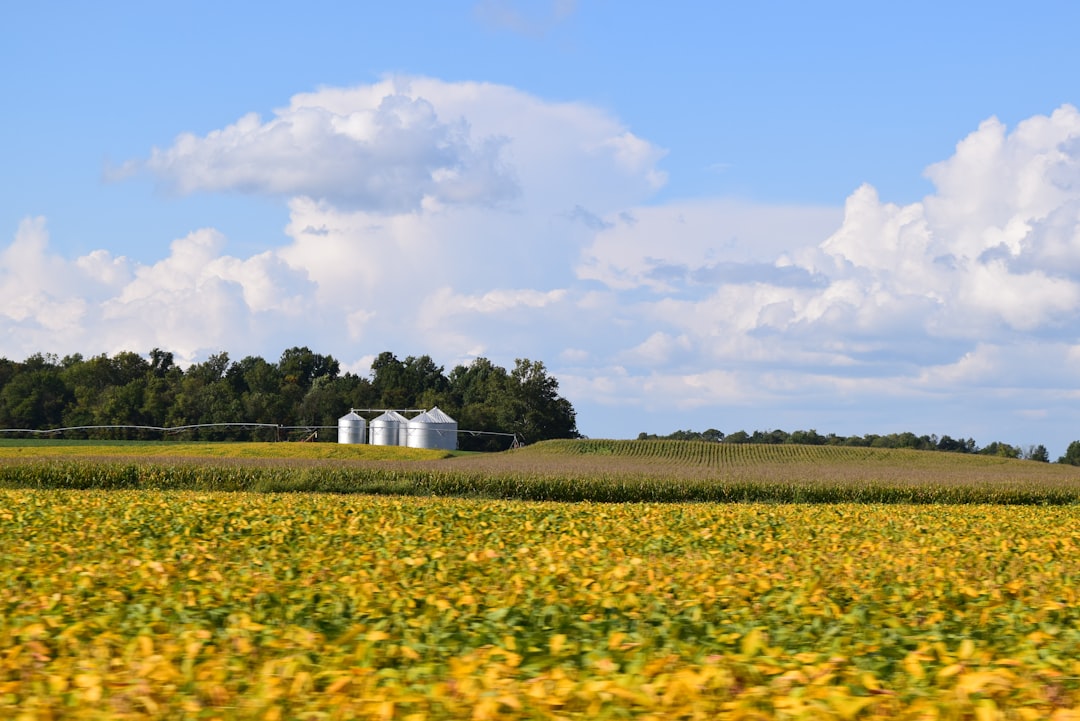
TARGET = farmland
(599,471)
(155,602)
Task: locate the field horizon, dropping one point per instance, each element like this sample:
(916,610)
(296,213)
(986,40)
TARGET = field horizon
(561,470)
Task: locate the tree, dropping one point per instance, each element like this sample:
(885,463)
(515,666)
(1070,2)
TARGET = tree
(388,380)
(35,396)
(1004,450)
(1072,454)
(300,366)
(257,383)
(204,395)
(161,362)
(476,393)
(806,438)
(1037,453)
(534,409)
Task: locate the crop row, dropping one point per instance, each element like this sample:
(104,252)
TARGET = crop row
(712,454)
(450,479)
(137,604)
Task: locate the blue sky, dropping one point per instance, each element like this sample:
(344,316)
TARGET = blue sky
(839,216)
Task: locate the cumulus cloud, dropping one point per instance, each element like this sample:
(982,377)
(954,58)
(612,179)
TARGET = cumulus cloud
(194,301)
(401,145)
(389,157)
(418,209)
(990,254)
(967,297)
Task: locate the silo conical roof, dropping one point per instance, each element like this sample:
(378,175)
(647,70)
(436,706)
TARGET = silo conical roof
(435,415)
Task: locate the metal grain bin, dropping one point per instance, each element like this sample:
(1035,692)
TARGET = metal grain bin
(351,429)
(433,429)
(389,429)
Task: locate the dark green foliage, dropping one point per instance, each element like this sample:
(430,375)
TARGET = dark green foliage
(1072,454)
(997,448)
(710,436)
(893,440)
(303,389)
(1037,453)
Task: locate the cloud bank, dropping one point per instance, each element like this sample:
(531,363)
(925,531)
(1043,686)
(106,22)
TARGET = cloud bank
(464,219)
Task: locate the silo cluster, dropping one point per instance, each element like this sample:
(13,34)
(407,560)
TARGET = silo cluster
(430,429)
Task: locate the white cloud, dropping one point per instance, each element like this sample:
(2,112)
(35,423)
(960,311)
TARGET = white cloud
(658,349)
(700,243)
(444,302)
(40,293)
(387,157)
(403,145)
(194,301)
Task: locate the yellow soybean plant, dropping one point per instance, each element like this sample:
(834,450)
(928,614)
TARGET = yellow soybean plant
(181,605)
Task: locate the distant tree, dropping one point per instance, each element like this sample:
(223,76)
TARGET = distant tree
(257,383)
(709,436)
(477,393)
(300,366)
(204,395)
(424,383)
(806,438)
(773,437)
(1037,453)
(947,443)
(388,380)
(1072,454)
(161,362)
(997,448)
(712,435)
(35,396)
(533,409)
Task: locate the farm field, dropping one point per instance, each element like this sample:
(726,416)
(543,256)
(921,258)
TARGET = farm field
(581,470)
(179,581)
(180,604)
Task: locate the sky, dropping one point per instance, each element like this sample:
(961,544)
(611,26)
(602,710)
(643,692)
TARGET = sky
(846,216)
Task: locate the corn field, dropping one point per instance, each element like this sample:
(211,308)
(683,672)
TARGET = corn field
(573,471)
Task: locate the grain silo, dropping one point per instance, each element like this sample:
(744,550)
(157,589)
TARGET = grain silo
(351,429)
(389,429)
(433,429)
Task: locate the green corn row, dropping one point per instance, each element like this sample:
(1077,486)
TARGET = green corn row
(568,487)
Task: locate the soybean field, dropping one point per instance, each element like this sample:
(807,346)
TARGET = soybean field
(566,580)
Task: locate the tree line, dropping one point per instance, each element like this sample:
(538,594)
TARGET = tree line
(891,440)
(301,389)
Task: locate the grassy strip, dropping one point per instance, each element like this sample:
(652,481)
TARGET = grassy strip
(400,480)
(172,449)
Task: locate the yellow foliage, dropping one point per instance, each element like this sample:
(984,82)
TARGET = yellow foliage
(148,605)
